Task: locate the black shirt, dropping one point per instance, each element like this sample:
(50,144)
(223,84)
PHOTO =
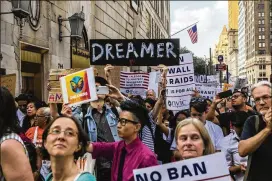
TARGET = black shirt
(260,169)
(225,119)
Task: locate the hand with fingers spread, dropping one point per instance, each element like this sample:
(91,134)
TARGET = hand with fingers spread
(66,110)
(115,93)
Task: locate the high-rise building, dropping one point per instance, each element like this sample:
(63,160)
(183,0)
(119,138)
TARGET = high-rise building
(258,40)
(233,11)
(40,49)
(221,48)
(232,61)
(241,40)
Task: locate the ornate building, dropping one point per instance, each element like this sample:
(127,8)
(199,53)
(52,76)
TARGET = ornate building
(39,49)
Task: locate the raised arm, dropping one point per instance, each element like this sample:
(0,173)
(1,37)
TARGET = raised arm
(99,149)
(107,71)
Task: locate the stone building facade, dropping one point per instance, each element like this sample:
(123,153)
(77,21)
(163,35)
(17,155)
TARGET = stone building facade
(39,50)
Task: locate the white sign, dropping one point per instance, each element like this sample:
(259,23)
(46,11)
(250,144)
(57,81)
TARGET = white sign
(240,83)
(210,167)
(207,92)
(134,83)
(154,79)
(178,103)
(180,83)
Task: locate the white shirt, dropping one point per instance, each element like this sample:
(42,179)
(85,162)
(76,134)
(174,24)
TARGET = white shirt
(20,116)
(229,145)
(214,131)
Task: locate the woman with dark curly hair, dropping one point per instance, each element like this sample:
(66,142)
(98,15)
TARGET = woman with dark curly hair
(14,163)
(64,141)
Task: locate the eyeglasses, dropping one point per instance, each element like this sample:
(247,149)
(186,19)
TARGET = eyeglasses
(124,121)
(68,133)
(196,114)
(40,116)
(236,96)
(264,98)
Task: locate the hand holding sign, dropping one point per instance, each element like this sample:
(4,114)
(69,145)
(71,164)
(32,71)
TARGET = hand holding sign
(66,110)
(163,70)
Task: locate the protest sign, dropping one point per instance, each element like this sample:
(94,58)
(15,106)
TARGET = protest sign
(240,83)
(134,52)
(78,87)
(154,79)
(134,83)
(207,92)
(180,83)
(210,167)
(201,79)
(55,94)
(178,103)
(9,81)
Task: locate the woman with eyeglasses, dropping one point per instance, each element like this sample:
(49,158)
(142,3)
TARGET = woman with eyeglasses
(64,140)
(14,162)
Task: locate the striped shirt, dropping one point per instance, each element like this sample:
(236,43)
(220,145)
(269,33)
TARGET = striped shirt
(10,136)
(147,137)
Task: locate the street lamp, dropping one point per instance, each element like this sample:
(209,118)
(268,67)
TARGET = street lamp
(20,9)
(76,23)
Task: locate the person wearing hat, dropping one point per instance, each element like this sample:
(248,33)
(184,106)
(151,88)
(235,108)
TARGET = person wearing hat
(229,146)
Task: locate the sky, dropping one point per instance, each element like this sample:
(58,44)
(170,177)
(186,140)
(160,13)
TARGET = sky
(212,16)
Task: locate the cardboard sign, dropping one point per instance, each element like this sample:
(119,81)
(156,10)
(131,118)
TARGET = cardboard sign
(180,83)
(210,167)
(9,81)
(134,52)
(55,94)
(134,83)
(78,87)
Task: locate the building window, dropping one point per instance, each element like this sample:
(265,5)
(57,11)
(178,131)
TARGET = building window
(261,45)
(134,4)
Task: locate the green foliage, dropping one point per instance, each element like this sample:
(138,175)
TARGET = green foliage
(199,62)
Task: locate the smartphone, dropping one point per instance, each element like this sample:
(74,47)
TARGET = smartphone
(102,90)
(225,94)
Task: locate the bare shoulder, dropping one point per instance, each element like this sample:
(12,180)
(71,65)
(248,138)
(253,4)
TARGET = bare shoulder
(11,144)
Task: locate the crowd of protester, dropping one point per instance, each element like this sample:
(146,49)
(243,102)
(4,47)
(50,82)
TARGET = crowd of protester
(126,132)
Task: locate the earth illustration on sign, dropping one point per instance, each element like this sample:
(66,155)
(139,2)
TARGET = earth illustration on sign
(77,84)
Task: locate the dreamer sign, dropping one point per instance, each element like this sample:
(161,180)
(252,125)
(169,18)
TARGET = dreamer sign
(211,167)
(134,52)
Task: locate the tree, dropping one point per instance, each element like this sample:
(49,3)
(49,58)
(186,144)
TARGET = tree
(199,62)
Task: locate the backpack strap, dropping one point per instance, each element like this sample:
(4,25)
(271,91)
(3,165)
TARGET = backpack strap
(257,123)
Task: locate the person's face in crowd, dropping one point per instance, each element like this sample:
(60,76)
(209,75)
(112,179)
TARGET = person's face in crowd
(238,99)
(229,103)
(150,94)
(262,97)
(166,123)
(180,118)
(127,127)
(148,107)
(189,142)
(22,105)
(62,139)
(31,109)
(40,119)
(198,115)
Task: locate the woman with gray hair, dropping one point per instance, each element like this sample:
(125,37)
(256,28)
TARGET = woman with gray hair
(193,139)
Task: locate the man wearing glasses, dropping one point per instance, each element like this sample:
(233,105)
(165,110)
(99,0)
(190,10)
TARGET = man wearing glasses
(238,102)
(256,138)
(130,153)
